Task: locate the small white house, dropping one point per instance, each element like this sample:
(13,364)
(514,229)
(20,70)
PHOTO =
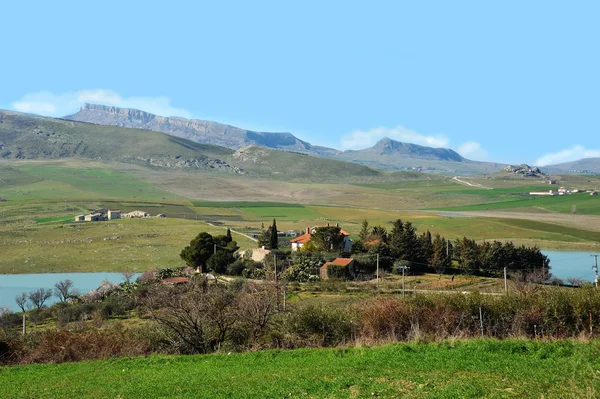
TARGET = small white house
(549,192)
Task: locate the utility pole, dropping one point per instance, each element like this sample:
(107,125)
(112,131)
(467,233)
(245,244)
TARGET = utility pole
(505,282)
(284,296)
(24,325)
(403,268)
(276,282)
(215,249)
(377,271)
(595,268)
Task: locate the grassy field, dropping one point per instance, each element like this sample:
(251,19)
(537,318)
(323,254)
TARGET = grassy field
(44,196)
(584,204)
(114,246)
(450,369)
(31,182)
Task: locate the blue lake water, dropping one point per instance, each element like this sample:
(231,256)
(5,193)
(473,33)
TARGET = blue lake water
(565,264)
(12,285)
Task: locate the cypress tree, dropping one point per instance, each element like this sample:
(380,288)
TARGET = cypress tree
(274,239)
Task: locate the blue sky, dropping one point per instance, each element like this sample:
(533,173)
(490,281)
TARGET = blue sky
(510,81)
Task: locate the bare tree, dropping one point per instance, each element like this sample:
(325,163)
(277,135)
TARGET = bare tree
(127,276)
(255,307)
(63,290)
(200,318)
(576,282)
(39,297)
(21,301)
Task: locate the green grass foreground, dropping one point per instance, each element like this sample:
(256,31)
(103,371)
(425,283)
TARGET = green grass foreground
(450,369)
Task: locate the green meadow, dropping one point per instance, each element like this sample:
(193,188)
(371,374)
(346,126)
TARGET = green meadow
(448,369)
(37,232)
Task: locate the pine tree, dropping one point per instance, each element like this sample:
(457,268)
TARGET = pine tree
(228,236)
(364,230)
(397,240)
(274,242)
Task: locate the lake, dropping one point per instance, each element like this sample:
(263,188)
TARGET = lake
(12,285)
(565,264)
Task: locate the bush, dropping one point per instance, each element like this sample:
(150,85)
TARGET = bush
(320,326)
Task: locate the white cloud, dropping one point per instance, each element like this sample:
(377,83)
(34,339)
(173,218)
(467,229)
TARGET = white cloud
(362,139)
(567,155)
(51,104)
(472,150)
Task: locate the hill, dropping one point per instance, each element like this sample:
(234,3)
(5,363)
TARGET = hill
(290,165)
(24,136)
(197,130)
(389,154)
(586,165)
(31,137)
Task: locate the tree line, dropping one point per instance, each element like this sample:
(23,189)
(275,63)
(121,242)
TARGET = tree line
(403,247)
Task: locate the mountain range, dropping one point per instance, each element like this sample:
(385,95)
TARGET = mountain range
(387,154)
(126,135)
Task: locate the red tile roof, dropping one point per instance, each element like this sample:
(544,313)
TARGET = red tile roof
(342,232)
(338,262)
(303,239)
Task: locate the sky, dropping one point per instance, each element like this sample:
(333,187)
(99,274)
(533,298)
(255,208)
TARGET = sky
(503,81)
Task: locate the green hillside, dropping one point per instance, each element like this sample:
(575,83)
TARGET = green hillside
(275,164)
(463,369)
(24,136)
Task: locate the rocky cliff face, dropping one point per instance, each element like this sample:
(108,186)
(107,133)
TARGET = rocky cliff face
(200,131)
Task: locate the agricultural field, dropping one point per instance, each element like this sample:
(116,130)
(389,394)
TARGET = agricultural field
(37,233)
(448,369)
(119,245)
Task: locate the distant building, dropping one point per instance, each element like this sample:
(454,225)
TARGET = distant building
(549,192)
(593,193)
(80,218)
(259,254)
(136,214)
(94,217)
(551,181)
(564,190)
(114,214)
(300,241)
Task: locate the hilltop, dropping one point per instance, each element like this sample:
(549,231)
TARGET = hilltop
(197,130)
(586,165)
(390,154)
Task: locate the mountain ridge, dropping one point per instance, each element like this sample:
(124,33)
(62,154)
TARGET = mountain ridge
(198,130)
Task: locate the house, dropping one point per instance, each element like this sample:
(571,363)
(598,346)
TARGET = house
(300,241)
(563,191)
(549,192)
(259,254)
(114,214)
(136,214)
(593,193)
(80,218)
(340,262)
(94,217)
